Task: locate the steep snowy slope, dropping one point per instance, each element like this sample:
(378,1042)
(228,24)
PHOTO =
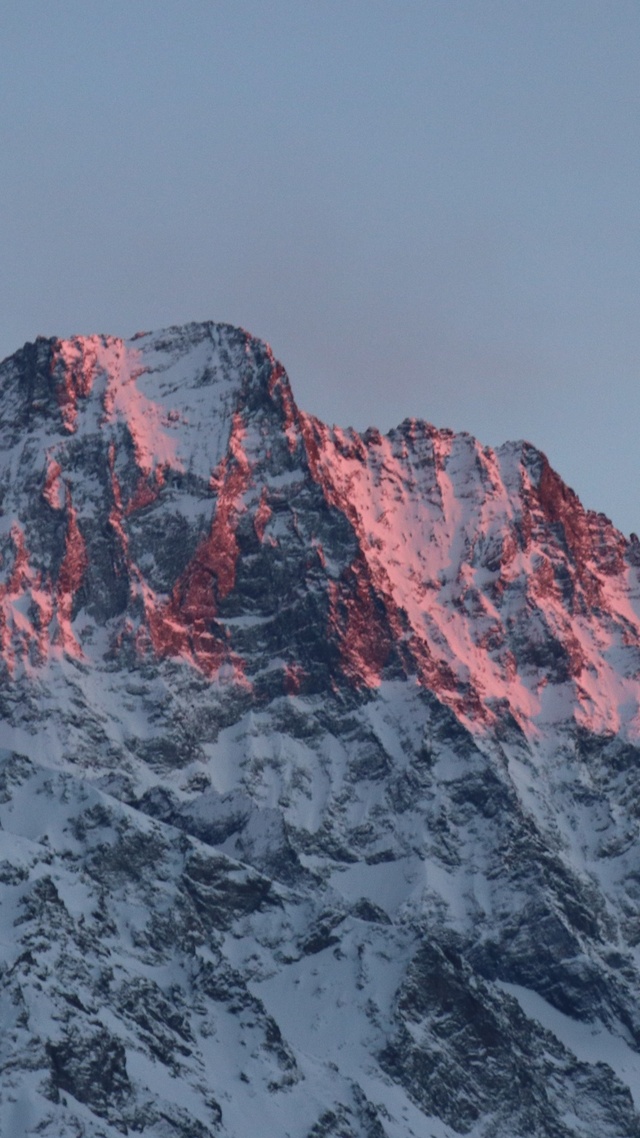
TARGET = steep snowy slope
(319,782)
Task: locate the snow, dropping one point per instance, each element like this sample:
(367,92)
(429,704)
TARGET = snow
(590,1043)
(463,592)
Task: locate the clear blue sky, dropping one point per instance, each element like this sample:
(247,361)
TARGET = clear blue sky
(428,207)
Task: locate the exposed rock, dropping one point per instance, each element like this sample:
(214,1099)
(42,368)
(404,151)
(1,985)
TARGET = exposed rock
(319,774)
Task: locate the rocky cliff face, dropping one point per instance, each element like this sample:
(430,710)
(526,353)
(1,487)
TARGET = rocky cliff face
(319,767)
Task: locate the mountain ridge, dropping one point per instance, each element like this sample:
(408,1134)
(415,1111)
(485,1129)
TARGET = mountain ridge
(295,720)
(385,488)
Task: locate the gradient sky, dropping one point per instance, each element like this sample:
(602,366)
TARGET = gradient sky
(428,207)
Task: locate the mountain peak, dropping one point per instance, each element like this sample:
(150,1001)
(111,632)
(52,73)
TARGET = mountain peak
(162,387)
(287,708)
(167,464)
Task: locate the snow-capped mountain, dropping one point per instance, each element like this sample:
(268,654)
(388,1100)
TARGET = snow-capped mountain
(319,766)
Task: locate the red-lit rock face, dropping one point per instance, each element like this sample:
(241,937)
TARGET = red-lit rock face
(36,613)
(492,578)
(188,510)
(186,624)
(70,577)
(74,365)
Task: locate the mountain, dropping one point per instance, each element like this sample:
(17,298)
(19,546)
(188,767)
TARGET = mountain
(319,763)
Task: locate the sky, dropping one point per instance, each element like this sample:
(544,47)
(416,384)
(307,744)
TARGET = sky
(428,208)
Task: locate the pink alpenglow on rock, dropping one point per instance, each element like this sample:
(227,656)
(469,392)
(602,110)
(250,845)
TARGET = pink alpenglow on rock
(187,500)
(292,709)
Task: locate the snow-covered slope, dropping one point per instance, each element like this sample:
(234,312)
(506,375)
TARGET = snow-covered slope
(319,773)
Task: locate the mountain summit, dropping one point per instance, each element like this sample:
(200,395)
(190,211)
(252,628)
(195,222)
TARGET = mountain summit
(318,766)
